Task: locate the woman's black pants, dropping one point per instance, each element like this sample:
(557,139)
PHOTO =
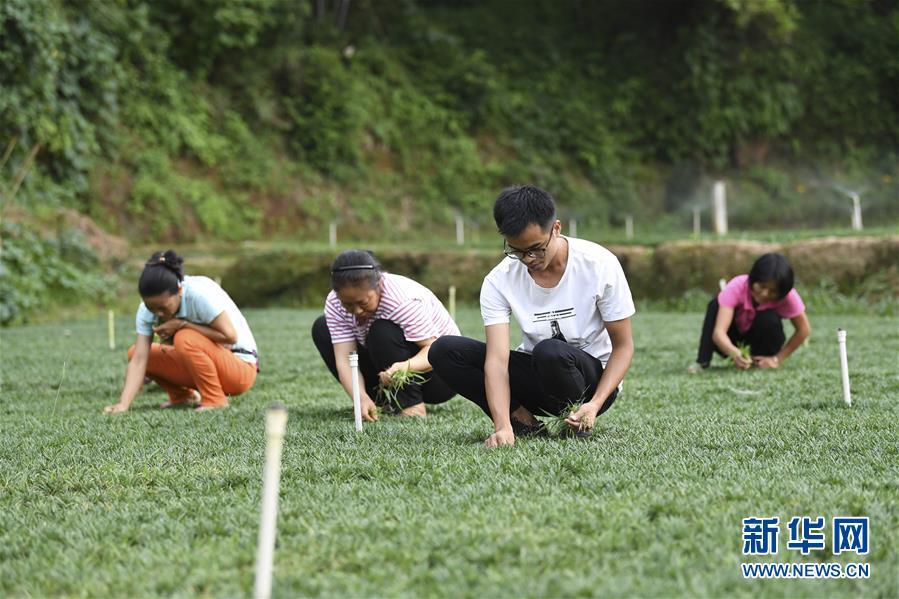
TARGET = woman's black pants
(765,337)
(385,345)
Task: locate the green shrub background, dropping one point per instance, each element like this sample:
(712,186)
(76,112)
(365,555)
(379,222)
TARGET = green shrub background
(228,119)
(834,275)
(184,121)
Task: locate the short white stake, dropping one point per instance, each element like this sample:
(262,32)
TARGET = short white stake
(719,207)
(452,301)
(629,226)
(572,227)
(275,423)
(460,230)
(332,235)
(357,400)
(697,223)
(856,212)
(110,318)
(844,366)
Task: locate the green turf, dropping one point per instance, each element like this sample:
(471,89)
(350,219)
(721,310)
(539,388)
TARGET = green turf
(166,502)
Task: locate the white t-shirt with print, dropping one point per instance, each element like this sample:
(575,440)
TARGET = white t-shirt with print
(202,301)
(592,291)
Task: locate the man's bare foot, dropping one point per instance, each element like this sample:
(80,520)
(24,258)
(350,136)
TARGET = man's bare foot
(418,410)
(524,416)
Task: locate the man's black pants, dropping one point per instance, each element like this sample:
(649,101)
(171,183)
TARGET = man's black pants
(545,382)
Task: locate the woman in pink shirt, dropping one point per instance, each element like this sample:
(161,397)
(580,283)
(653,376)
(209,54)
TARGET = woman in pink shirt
(391,322)
(749,311)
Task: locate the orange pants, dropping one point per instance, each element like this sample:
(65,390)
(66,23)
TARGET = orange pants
(195,361)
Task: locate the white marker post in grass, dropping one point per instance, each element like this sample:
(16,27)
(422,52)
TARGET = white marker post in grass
(452,301)
(332,234)
(719,207)
(572,227)
(110,320)
(697,222)
(357,400)
(856,212)
(844,366)
(460,230)
(275,423)
(629,226)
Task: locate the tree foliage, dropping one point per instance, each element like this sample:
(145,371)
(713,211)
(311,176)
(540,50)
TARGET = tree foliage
(180,119)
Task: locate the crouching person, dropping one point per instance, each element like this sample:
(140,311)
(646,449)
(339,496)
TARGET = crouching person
(391,322)
(573,305)
(749,312)
(208,351)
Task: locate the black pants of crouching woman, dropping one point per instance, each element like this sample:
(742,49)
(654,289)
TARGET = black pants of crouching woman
(765,336)
(385,345)
(545,382)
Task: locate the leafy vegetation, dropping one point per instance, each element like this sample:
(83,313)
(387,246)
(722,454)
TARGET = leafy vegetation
(232,118)
(40,273)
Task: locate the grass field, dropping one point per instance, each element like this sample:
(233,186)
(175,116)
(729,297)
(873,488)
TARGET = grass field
(166,503)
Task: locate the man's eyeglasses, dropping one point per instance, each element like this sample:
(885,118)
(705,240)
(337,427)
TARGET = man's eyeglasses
(536,253)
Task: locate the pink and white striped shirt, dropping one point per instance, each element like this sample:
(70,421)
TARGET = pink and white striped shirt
(408,304)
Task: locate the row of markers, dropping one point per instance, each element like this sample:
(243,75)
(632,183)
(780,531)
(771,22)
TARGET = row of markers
(841,340)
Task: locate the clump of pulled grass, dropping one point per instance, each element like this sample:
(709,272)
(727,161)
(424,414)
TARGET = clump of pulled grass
(556,426)
(389,394)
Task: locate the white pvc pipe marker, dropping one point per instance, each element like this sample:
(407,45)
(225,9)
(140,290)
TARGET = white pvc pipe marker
(357,400)
(856,212)
(275,423)
(844,366)
(111,328)
(719,207)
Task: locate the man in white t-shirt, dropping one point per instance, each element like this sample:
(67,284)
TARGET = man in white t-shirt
(573,304)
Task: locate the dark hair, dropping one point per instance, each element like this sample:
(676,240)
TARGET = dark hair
(162,273)
(516,208)
(353,268)
(773,267)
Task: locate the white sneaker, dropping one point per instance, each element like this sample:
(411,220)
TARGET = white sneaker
(694,368)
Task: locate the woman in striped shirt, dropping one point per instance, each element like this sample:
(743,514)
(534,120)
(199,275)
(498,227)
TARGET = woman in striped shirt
(390,321)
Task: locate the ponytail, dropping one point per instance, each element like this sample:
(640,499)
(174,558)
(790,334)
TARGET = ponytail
(162,273)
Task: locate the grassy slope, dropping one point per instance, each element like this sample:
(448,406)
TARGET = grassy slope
(167,502)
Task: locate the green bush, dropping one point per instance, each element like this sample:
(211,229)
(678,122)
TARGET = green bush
(39,274)
(197,120)
(678,275)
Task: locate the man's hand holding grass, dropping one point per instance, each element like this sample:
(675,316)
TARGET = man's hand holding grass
(584,418)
